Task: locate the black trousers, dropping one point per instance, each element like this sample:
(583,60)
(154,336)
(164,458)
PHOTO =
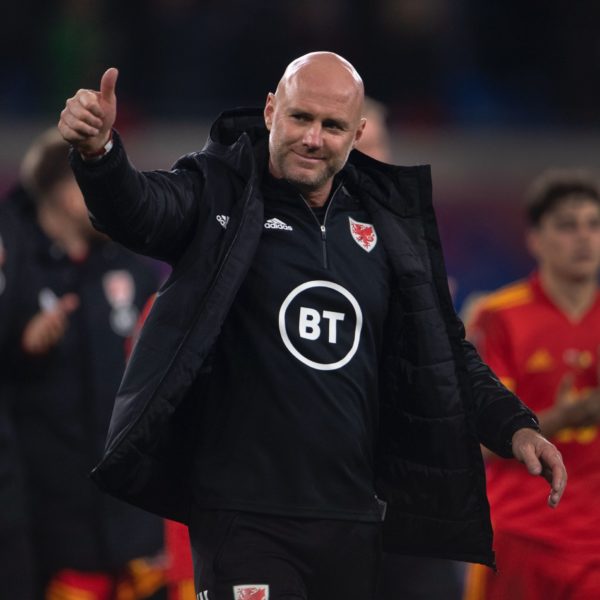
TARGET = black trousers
(416,578)
(17,576)
(248,556)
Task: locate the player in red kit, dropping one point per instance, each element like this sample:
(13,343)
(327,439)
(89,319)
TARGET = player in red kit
(542,336)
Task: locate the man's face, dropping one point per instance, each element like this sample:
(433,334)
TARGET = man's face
(567,240)
(68,199)
(313,127)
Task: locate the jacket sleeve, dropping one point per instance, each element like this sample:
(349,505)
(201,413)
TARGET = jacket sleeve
(498,412)
(151,213)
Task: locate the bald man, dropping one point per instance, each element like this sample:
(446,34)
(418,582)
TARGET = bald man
(301,393)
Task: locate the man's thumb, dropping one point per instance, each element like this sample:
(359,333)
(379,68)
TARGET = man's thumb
(108,83)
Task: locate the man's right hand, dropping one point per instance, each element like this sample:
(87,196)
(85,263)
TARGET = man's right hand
(88,117)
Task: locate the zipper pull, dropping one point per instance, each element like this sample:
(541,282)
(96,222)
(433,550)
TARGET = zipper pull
(324,244)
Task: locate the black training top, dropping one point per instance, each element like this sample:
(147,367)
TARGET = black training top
(290,416)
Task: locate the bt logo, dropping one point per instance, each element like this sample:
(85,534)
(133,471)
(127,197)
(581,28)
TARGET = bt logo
(324,338)
(309,323)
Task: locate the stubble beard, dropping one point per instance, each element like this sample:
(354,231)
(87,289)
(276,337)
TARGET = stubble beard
(310,181)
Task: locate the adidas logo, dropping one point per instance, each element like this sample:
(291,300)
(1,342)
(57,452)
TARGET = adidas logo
(223,221)
(277,224)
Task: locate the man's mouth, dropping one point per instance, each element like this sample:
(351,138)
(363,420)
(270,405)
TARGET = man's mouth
(309,157)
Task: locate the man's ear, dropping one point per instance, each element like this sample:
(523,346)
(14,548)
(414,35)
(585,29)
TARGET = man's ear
(359,132)
(269,110)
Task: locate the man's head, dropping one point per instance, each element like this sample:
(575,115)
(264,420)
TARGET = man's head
(375,140)
(45,166)
(314,119)
(47,177)
(563,210)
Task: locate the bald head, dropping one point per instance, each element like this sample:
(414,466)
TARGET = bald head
(324,69)
(322,63)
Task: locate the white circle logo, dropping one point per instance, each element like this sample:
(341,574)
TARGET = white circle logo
(325,325)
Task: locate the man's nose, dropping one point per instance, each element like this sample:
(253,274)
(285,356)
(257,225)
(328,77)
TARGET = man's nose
(313,136)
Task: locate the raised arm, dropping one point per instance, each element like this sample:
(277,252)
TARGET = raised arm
(152,213)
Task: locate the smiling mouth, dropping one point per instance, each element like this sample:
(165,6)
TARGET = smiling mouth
(310,158)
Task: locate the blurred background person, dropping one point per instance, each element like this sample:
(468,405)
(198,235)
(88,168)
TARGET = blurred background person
(78,299)
(375,140)
(541,336)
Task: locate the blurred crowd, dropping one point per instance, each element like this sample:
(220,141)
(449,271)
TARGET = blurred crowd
(432,62)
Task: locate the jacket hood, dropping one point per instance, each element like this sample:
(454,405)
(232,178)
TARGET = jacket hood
(234,135)
(232,124)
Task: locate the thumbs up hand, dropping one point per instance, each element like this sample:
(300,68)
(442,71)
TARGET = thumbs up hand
(88,117)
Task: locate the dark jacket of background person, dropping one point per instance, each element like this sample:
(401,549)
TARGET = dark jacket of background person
(438,400)
(64,405)
(16,553)
(62,397)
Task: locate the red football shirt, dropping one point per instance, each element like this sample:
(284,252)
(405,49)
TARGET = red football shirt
(531,345)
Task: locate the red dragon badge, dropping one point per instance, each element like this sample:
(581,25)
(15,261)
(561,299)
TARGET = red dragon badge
(364,234)
(251,592)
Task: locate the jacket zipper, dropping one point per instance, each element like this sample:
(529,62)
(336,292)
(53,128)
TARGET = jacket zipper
(322,226)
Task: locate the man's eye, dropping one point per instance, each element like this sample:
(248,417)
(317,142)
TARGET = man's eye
(594,225)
